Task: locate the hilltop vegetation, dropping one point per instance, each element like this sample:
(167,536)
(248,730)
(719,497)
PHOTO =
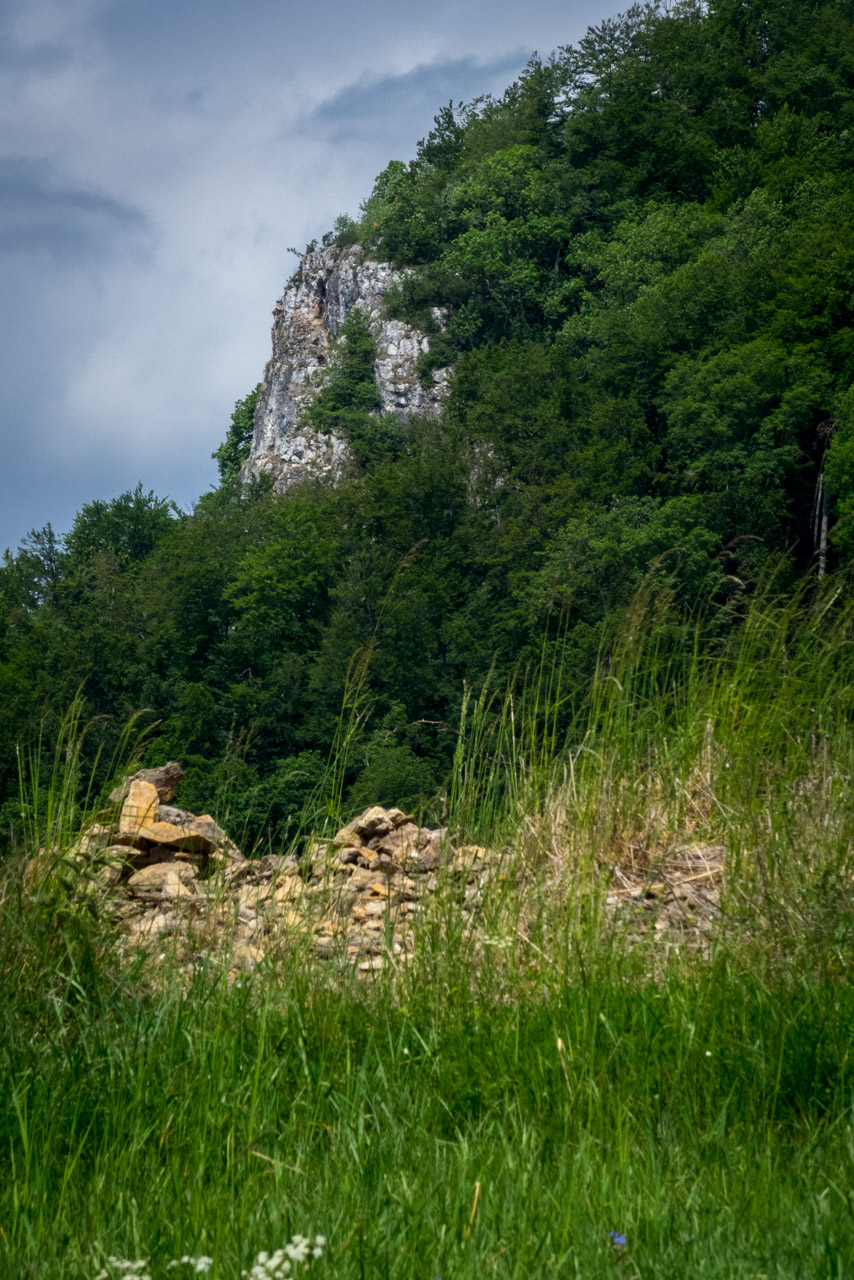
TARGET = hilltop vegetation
(644,258)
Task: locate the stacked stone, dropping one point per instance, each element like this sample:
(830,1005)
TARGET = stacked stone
(173,876)
(182,891)
(153,842)
(356,897)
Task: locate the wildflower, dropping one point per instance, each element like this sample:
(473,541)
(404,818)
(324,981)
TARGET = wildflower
(284,1263)
(708,1053)
(199,1265)
(125,1267)
(618,1241)
(297,1250)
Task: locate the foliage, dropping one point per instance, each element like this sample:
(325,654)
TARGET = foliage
(597,610)
(348,403)
(637,262)
(234,450)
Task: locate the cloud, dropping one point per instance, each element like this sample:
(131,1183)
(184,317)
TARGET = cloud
(373,102)
(41,212)
(45,58)
(31,24)
(155,161)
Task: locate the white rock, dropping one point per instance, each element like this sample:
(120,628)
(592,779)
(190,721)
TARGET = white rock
(310,315)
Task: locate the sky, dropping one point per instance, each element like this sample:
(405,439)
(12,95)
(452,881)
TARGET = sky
(157,160)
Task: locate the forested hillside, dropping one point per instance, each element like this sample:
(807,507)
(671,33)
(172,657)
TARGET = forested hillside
(643,260)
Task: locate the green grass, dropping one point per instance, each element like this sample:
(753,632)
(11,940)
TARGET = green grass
(706,1117)
(494,1115)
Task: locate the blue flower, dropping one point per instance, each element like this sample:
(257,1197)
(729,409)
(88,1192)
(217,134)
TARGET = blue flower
(617,1240)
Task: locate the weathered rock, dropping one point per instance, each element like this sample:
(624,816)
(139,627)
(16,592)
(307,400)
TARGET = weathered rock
(344,839)
(400,843)
(348,856)
(171,879)
(473,860)
(378,863)
(144,819)
(139,808)
(398,818)
(164,778)
(119,858)
(176,880)
(92,839)
(373,822)
(288,889)
(317,300)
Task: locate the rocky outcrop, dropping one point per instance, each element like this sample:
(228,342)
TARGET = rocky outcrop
(310,315)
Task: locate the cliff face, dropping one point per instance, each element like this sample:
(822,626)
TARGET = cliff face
(316,302)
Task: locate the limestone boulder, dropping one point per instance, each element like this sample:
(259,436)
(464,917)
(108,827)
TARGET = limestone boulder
(400,844)
(139,808)
(168,878)
(164,779)
(370,825)
(145,820)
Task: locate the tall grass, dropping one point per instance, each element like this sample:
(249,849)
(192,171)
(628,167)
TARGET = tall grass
(496,1112)
(692,732)
(60,791)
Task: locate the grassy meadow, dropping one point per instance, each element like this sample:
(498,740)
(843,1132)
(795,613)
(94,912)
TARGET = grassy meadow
(564,1100)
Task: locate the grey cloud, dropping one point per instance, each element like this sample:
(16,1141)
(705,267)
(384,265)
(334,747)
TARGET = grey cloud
(40,212)
(370,104)
(40,59)
(160,158)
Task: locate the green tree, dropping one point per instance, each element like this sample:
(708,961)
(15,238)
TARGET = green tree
(126,529)
(234,450)
(348,404)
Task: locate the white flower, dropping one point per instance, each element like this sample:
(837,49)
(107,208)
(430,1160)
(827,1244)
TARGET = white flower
(299,1250)
(126,1267)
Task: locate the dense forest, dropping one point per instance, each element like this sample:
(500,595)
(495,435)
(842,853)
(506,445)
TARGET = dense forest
(643,257)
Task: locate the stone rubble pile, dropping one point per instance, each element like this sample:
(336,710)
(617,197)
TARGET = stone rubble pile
(677,901)
(175,878)
(152,840)
(180,890)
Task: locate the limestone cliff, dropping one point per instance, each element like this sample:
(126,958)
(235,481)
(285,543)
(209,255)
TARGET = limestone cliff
(316,302)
